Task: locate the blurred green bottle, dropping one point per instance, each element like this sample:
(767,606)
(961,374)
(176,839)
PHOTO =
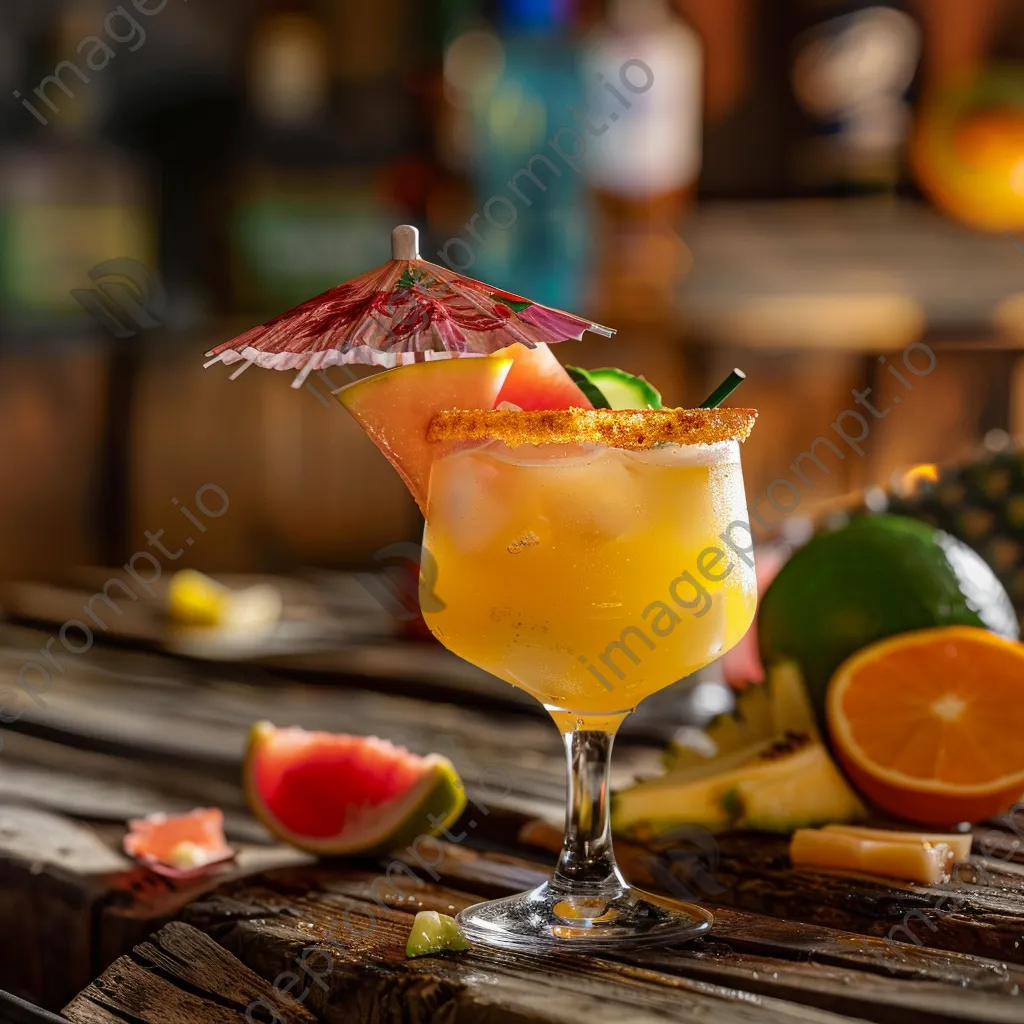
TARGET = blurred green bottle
(306,210)
(69,200)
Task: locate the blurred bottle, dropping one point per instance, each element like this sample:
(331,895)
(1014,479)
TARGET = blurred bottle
(69,200)
(302,219)
(852,66)
(642,124)
(176,105)
(11,65)
(528,230)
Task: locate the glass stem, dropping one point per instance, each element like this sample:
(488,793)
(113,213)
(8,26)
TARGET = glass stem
(587,861)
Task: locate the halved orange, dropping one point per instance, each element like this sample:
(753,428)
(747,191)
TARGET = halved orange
(929,725)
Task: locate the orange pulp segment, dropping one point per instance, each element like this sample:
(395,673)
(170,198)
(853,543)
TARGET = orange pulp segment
(928,724)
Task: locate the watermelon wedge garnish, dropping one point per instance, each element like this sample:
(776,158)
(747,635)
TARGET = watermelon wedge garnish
(179,845)
(330,793)
(395,408)
(538,380)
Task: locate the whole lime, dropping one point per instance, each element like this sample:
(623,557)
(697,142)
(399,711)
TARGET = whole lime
(874,578)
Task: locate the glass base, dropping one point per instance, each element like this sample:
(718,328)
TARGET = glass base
(583,919)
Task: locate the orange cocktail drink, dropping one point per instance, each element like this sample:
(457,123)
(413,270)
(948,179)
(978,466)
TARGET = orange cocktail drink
(587,574)
(591,557)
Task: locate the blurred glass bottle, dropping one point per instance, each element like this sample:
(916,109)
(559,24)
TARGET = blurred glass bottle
(11,66)
(303,219)
(529,227)
(852,65)
(69,200)
(175,106)
(643,70)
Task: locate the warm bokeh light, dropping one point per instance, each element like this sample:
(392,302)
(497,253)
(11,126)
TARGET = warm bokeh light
(912,479)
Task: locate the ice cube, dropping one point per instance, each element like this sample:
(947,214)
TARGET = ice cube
(467,503)
(685,455)
(549,456)
(542,668)
(600,501)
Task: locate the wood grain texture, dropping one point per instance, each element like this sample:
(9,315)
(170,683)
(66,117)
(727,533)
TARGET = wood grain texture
(359,920)
(981,910)
(125,732)
(46,905)
(180,975)
(359,944)
(196,716)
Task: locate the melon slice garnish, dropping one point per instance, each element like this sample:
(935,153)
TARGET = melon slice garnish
(538,380)
(395,408)
(331,793)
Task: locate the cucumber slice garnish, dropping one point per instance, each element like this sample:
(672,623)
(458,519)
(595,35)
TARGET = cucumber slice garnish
(581,378)
(615,389)
(435,933)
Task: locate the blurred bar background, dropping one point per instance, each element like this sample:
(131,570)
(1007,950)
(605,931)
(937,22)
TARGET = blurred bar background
(803,188)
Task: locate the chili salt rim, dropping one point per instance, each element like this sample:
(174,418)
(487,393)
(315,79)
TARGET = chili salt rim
(617,428)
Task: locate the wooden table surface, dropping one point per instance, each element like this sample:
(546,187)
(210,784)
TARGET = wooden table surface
(130,727)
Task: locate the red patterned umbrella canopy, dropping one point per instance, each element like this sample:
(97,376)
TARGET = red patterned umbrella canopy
(405,311)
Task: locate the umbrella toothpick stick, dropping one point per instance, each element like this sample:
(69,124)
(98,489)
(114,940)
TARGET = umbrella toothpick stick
(405,243)
(301,376)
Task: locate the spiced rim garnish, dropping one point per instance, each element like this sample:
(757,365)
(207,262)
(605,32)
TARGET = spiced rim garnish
(617,428)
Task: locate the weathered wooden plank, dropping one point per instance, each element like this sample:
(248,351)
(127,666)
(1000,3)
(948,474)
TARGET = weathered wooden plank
(767,936)
(127,909)
(198,716)
(980,911)
(820,968)
(324,637)
(362,917)
(885,972)
(325,630)
(359,947)
(886,1000)
(984,919)
(71,902)
(47,905)
(171,732)
(180,976)
(99,786)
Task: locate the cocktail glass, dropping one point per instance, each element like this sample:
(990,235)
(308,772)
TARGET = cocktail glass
(590,573)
